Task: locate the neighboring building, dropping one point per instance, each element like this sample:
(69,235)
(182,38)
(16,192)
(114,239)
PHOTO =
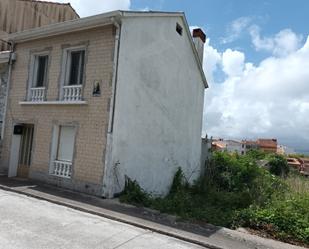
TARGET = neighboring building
(4,70)
(267,145)
(284,150)
(304,170)
(218,145)
(247,145)
(294,162)
(97,100)
(228,145)
(19,15)
(233,146)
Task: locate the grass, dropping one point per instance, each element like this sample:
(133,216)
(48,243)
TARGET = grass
(235,191)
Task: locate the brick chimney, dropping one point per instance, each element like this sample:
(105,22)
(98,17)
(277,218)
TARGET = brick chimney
(199,39)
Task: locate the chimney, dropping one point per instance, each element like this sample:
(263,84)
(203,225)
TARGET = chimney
(199,39)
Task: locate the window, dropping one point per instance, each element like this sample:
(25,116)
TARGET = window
(38,77)
(75,69)
(65,146)
(178,29)
(61,163)
(40,71)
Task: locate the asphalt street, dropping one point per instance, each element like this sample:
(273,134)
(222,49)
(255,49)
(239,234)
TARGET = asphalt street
(30,223)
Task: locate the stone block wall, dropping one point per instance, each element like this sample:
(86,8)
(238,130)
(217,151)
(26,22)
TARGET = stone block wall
(91,119)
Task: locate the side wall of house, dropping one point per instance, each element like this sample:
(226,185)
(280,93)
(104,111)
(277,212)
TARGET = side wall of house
(91,120)
(159,105)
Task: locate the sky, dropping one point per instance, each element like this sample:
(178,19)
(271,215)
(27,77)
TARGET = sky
(256,61)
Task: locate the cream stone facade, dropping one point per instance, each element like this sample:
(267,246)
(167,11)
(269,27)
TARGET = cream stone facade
(143,123)
(90,119)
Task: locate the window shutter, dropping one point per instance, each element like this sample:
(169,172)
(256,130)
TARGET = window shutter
(66,143)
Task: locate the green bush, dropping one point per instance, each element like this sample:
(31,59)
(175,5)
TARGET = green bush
(286,218)
(234,191)
(134,194)
(278,165)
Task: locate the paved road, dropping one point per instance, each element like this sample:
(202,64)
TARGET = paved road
(30,223)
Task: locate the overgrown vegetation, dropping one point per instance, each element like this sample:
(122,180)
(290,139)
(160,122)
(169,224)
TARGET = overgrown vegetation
(234,191)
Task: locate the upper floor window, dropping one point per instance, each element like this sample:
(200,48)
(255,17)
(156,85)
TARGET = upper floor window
(38,77)
(75,69)
(40,74)
(73,75)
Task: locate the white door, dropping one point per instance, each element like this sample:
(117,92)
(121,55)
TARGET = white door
(14,156)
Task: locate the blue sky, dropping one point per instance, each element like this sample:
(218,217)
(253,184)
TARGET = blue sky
(215,16)
(256,60)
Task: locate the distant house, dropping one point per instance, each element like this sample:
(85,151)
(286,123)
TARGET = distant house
(231,146)
(97,100)
(284,150)
(267,145)
(19,15)
(247,145)
(295,163)
(218,145)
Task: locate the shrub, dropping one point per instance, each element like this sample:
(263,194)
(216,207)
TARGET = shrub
(134,194)
(278,166)
(285,218)
(234,191)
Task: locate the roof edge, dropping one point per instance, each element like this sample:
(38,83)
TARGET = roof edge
(101,20)
(64,27)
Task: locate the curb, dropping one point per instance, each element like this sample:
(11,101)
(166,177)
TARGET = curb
(166,231)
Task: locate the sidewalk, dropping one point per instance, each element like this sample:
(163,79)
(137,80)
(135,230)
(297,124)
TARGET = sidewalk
(207,235)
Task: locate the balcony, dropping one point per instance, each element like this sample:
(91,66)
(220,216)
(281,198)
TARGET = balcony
(62,169)
(72,93)
(37,94)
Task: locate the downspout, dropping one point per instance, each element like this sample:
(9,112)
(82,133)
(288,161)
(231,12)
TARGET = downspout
(11,60)
(108,177)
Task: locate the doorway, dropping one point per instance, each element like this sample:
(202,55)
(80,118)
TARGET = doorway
(25,151)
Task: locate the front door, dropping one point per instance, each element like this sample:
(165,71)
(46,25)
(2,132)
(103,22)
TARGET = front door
(25,151)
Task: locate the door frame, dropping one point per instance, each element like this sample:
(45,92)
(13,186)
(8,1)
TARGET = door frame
(15,150)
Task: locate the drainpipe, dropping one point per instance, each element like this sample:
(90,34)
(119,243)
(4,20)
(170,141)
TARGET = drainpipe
(11,60)
(108,178)
(115,73)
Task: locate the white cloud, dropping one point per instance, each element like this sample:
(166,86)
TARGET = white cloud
(93,7)
(235,29)
(267,100)
(233,62)
(281,44)
(212,59)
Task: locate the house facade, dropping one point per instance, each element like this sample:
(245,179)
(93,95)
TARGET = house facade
(19,15)
(267,145)
(98,100)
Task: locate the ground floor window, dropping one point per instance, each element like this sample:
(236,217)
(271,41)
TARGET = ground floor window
(63,150)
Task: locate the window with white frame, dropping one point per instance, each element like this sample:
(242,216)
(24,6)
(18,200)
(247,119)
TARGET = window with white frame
(40,68)
(38,79)
(62,150)
(65,143)
(73,76)
(75,69)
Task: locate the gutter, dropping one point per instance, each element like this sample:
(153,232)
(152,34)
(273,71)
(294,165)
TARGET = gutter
(108,177)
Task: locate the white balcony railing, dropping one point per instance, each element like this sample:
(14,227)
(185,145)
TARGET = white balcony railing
(37,94)
(62,169)
(72,93)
